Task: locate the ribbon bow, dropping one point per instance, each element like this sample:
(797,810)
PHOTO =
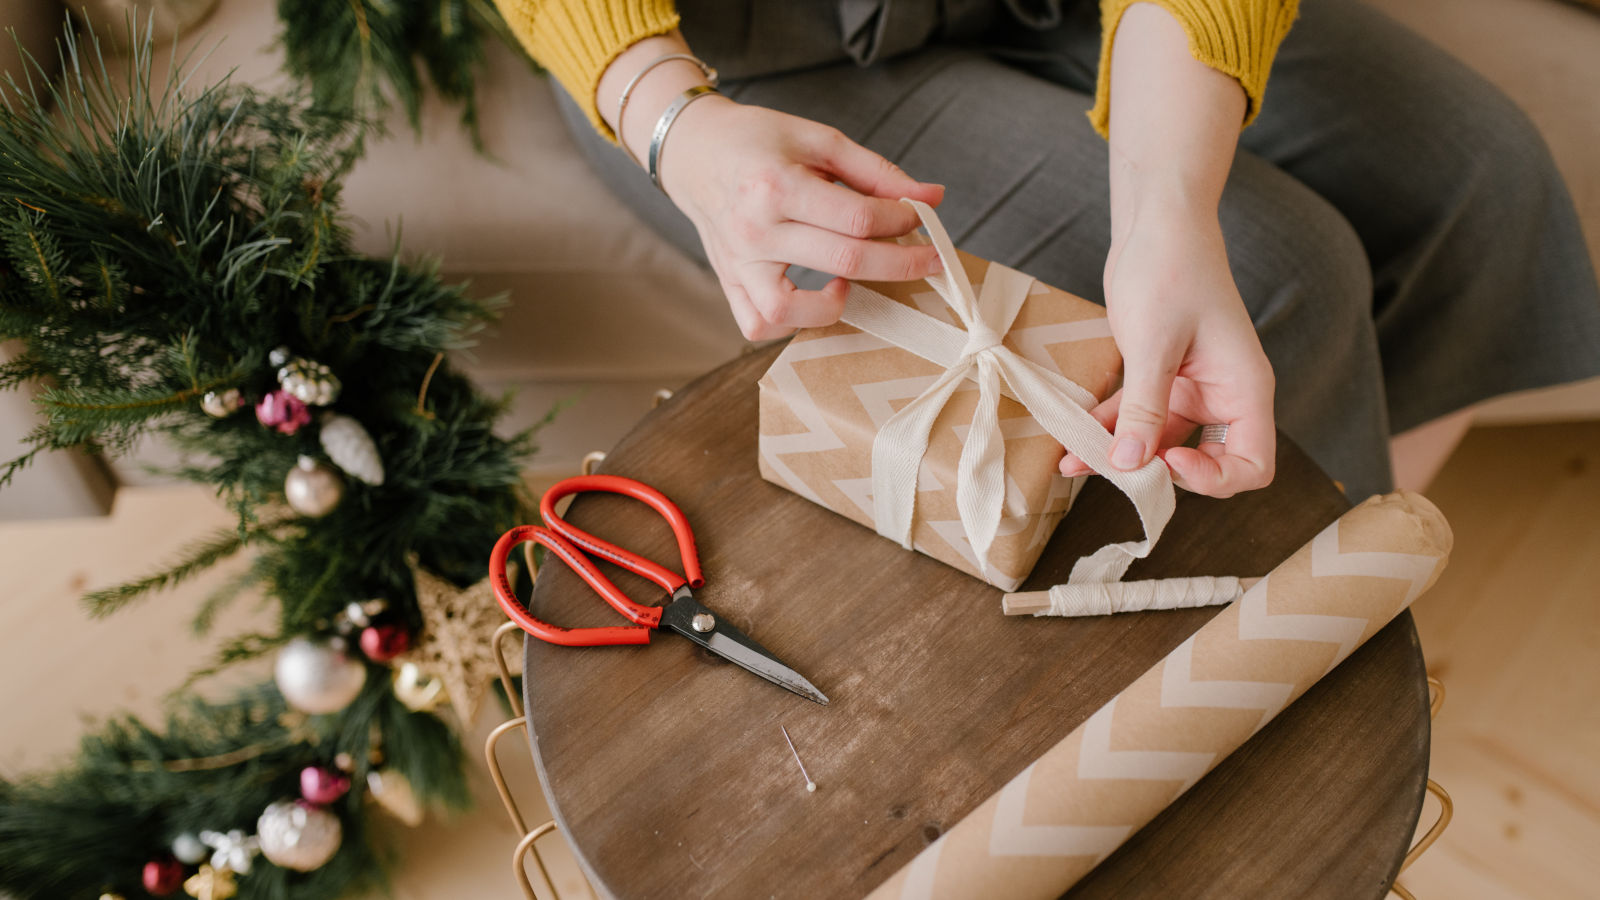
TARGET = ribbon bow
(1058,404)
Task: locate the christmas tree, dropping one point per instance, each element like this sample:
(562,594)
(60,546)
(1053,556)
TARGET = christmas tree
(175,263)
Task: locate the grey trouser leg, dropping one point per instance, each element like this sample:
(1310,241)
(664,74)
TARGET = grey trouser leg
(1366,216)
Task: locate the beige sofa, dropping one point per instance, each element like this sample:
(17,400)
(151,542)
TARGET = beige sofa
(604,313)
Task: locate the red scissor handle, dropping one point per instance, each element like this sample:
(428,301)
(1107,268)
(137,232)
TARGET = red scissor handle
(648,617)
(658,501)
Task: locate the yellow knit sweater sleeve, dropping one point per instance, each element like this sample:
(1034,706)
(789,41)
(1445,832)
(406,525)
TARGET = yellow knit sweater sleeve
(1236,37)
(577,39)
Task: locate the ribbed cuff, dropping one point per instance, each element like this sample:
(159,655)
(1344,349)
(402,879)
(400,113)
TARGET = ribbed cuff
(1238,38)
(577,40)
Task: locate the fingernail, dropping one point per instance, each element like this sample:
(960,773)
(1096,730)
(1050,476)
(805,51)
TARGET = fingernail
(1127,453)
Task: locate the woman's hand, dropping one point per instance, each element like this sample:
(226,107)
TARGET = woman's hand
(760,188)
(1190,357)
(1190,353)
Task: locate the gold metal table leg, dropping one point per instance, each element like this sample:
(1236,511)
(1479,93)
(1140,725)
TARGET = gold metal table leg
(1446,807)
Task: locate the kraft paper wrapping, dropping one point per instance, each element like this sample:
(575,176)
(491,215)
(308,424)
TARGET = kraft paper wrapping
(1080,800)
(825,397)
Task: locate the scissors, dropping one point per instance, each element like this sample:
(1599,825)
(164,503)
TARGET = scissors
(683,614)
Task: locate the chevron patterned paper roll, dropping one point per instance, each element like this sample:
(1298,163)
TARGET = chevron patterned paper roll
(828,393)
(1080,800)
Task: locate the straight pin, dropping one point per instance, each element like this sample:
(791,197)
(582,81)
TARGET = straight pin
(811,786)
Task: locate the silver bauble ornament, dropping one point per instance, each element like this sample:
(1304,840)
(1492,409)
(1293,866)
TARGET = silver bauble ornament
(313,488)
(221,404)
(316,677)
(298,835)
(188,849)
(312,383)
(351,448)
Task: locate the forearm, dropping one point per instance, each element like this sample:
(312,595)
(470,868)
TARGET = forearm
(1174,124)
(651,94)
(578,39)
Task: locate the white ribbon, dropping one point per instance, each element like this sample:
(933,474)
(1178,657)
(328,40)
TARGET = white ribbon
(1058,404)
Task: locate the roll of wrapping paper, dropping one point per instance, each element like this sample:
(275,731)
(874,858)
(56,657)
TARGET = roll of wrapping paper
(1137,754)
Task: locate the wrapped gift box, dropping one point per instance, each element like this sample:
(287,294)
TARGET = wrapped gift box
(831,389)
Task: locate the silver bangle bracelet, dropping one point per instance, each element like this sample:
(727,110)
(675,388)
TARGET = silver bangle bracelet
(627,90)
(664,124)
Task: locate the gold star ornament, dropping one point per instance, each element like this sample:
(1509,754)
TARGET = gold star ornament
(456,645)
(211,884)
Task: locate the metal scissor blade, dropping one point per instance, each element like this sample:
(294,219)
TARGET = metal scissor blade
(757,660)
(735,646)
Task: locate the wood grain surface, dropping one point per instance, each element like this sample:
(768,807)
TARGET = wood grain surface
(666,769)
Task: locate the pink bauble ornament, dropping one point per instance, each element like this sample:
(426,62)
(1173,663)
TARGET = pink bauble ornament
(281,410)
(322,786)
(163,876)
(382,643)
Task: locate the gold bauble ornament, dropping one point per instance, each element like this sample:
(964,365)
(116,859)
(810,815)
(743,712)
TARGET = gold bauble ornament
(393,792)
(313,488)
(221,404)
(417,691)
(456,642)
(211,884)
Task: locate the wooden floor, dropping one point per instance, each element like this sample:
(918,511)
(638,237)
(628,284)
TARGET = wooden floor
(1513,629)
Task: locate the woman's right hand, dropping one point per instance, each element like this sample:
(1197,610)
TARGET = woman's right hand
(759,186)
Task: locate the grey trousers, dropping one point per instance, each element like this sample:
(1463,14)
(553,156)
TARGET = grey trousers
(1394,223)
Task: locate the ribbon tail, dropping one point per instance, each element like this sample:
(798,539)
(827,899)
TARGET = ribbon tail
(897,453)
(980,475)
(1149,487)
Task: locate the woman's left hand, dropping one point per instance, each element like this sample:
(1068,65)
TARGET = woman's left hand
(1190,355)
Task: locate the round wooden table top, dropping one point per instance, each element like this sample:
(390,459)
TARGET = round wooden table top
(666,769)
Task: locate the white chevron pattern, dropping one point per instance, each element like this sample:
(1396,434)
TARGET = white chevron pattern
(1256,624)
(1179,689)
(1010,837)
(1327,560)
(1096,759)
(819,437)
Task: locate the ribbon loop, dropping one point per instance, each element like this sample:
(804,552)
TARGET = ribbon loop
(1058,404)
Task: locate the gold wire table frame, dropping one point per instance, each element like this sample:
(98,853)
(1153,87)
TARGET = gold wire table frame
(1446,806)
(527,844)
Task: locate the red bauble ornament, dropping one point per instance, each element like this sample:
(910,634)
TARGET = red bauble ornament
(382,643)
(283,411)
(163,876)
(322,786)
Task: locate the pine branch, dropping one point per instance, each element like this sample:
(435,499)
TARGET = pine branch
(196,558)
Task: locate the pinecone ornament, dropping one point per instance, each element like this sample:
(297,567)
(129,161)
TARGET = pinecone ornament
(312,383)
(351,448)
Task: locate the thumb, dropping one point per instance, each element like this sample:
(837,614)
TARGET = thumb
(1142,414)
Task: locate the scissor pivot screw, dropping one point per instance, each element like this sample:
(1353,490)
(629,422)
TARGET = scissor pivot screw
(703,622)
